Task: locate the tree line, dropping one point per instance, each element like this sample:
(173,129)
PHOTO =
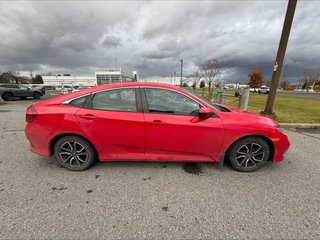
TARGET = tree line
(310,79)
(13,77)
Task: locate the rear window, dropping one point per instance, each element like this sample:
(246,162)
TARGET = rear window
(123,100)
(79,102)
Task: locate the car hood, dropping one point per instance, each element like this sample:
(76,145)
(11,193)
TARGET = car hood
(244,116)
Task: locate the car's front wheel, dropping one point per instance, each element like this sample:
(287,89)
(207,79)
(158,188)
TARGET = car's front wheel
(248,154)
(7,96)
(74,153)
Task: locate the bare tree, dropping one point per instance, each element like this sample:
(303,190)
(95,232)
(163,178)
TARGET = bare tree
(196,77)
(210,70)
(310,77)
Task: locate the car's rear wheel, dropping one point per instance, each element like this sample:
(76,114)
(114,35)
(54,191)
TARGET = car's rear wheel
(7,96)
(74,153)
(248,154)
(37,95)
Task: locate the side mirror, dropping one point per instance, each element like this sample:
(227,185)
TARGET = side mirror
(205,112)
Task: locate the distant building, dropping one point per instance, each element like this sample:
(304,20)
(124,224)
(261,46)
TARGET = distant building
(70,80)
(100,77)
(235,85)
(114,76)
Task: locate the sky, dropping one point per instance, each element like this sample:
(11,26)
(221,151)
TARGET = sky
(80,37)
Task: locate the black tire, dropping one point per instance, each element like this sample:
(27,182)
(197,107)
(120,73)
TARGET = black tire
(7,96)
(37,95)
(74,153)
(248,154)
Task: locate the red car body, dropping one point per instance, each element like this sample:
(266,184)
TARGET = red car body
(148,136)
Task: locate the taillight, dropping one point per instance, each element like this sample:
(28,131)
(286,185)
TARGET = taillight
(31,114)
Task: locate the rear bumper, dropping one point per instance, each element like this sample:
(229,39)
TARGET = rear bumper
(38,143)
(281,146)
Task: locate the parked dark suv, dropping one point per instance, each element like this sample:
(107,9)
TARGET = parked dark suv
(8,91)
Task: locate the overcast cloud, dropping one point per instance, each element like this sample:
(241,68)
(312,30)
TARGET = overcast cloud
(151,37)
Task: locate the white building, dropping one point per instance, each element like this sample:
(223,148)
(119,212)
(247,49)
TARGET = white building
(100,77)
(113,76)
(70,80)
(235,85)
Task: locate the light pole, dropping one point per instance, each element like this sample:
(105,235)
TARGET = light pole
(174,78)
(181,60)
(279,60)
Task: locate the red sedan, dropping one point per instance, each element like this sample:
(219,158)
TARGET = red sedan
(149,122)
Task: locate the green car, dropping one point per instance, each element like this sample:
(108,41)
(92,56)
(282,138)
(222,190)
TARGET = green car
(8,91)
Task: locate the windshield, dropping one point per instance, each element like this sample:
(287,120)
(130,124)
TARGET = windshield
(216,107)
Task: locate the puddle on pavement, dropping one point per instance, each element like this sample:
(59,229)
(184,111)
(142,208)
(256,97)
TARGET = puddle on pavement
(165,209)
(148,178)
(192,168)
(59,188)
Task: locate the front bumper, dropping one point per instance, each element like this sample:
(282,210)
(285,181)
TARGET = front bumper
(281,146)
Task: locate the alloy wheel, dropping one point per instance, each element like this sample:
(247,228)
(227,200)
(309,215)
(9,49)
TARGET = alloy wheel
(249,155)
(73,153)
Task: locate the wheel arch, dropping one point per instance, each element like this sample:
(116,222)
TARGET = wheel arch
(56,138)
(3,93)
(268,141)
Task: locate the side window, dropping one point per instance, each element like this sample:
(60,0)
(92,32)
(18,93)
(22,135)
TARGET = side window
(116,100)
(23,87)
(170,102)
(79,102)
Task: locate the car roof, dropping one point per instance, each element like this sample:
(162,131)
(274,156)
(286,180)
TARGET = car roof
(59,99)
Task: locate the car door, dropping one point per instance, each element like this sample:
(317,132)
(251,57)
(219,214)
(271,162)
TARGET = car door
(115,121)
(14,89)
(23,91)
(175,132)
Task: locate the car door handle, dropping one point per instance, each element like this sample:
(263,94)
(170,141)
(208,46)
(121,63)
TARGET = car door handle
(157,123)
(88,116)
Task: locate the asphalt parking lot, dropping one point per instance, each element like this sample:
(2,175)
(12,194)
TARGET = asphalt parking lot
(135,200)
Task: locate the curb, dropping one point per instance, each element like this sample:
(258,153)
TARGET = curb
(300,125)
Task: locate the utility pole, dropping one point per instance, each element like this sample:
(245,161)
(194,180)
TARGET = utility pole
(181,60)
(268,111)
(174,78)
